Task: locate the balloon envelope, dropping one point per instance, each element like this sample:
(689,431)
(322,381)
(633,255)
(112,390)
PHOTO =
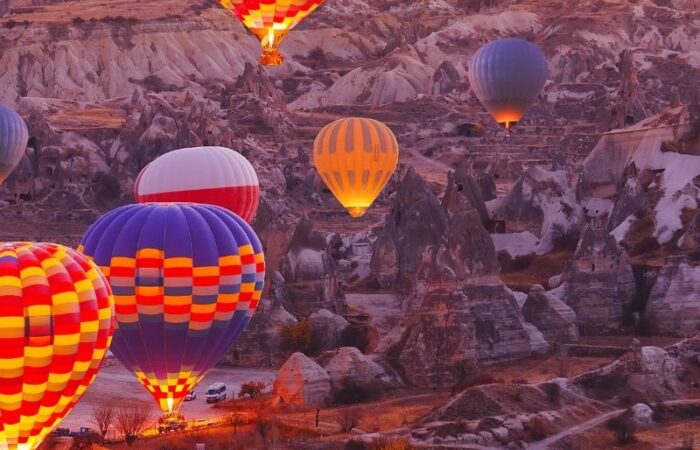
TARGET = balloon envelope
(212,175)
(13,141)
(355,157)
(56,322)
(270,21)
(507,76)
(186,280)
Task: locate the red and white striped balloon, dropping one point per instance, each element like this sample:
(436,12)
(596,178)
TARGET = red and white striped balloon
(212,175)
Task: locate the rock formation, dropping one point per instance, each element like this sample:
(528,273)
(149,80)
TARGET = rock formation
(632,199)
(674,303)
(349,368)
(690,240)
(416,224)
(308,271)
(259,345)
(630,107)
(550,315)
(461,184)
(326,329)
(445,79)
(458,310)
(598,283)
(542,203)
(301,382)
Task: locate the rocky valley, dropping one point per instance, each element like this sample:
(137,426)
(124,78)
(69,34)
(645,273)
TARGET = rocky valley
(535,284)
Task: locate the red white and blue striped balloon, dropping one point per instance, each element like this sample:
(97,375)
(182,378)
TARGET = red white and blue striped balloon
(211,175)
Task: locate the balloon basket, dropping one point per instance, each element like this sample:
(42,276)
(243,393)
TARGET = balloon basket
(271,57)
(508,125)
(357,211)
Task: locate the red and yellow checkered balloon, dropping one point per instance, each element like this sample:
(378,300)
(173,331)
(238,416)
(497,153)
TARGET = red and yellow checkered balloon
(270,21)
(56,322)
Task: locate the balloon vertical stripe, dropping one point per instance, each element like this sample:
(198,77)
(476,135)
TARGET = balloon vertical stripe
(13,141)
(507,76)
(355,158)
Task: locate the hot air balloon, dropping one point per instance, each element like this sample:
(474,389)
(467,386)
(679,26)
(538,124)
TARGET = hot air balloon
(212,175)
(56,322)
(355,158)
(13,141)
(507,76)
(186,280)
(270,21)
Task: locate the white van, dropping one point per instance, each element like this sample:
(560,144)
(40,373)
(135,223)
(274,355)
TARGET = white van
(216,393)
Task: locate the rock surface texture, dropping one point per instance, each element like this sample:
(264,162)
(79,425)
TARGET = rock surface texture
(301,382)
(674,303)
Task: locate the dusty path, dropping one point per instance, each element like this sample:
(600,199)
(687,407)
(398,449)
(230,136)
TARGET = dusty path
(594,422)
(546,444)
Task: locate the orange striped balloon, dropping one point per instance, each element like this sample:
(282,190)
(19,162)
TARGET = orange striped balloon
(56,322)
(355,157)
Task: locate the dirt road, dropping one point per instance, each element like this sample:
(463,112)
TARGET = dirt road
(116,385)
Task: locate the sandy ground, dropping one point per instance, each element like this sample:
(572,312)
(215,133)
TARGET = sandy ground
(116,385)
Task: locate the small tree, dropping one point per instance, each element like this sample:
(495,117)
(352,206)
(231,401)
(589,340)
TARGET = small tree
(623,426)
(252,388)
(102,417)
(236,420)
(688,441)
(131,421)
(553,392)
(296,337)
(349,419)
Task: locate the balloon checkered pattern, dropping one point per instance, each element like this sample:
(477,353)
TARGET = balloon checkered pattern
(186,278)
(56,323)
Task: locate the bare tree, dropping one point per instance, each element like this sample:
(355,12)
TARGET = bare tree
(349,419)
(102,417)
(131,421)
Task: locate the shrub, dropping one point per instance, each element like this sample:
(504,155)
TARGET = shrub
(296,337)
(660,413)
(623,427)
(537,428)
(252,389)
(688,442)
(81,443)
(553,392)
(357,335)
(389,444)
(317,57)
(349,419)
(359,393)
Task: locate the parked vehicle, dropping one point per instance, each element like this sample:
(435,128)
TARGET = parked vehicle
(87,434)
(190,396)
(60,432)
(216,393)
